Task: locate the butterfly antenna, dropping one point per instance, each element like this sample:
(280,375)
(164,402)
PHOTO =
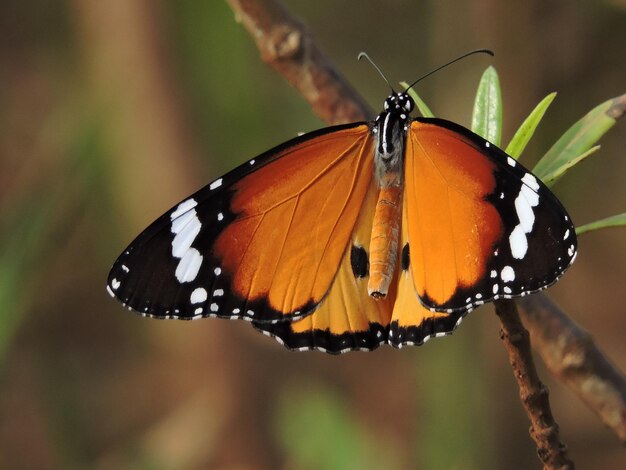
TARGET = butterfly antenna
(477,51)
(364,54)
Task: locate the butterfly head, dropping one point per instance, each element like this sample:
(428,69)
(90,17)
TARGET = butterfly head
(399,103)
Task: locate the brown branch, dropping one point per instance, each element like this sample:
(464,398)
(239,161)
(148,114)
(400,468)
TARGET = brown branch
(571,356)
(533,393)
(287,46)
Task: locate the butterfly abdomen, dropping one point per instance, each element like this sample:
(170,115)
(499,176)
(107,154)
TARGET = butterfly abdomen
(384,239)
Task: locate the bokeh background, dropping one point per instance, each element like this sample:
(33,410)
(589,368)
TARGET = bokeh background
(112,111)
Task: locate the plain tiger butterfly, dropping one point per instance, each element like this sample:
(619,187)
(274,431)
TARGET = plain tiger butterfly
(353,236)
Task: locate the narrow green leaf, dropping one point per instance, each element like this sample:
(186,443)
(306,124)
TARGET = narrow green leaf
(618,220)
(527,129)
(555,175)
(583,135)
(419,102)
(487,115)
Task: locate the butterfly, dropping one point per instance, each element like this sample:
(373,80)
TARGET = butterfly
(353,236)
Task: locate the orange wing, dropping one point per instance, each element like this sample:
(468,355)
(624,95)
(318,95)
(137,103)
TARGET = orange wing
(480,225)
(264,242)
(412,323)
(348,318)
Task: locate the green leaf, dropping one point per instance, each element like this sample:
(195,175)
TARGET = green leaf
(555,175)
(618,220)
(487,115)
(419,102)
(581,137)
(527,129)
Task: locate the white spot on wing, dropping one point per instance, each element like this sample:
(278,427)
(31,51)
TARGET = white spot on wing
(507,274)
(186,235)
(518,242)
(531,181)
(524,211)
(115,284)
(188,266)
(215,184)
(511,161)
(218,292)
(214,307)
(566,234)
(198,296)
(183,207)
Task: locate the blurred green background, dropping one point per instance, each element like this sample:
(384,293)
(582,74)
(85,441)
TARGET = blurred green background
(112,111)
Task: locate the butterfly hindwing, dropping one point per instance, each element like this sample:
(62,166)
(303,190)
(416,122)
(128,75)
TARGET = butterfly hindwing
(347,318)
(481,226)
(412,324)
(263,242)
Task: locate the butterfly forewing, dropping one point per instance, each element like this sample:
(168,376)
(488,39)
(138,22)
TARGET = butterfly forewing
(481,226)
(263,242)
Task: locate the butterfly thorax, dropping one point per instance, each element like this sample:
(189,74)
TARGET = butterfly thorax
(390,130)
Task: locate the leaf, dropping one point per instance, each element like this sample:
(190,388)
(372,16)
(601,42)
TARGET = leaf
(581,137)
(421,105)
(618,220)
(527,129)
(487,115)
(553,177)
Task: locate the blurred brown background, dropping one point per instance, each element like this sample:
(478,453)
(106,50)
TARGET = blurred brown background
(112,111)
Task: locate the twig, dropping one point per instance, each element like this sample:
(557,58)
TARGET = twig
(571,355)
(331,98)
(533,393)
(287,46)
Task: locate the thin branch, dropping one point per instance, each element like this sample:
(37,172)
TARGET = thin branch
(533,393)
(571,355)
(287,46)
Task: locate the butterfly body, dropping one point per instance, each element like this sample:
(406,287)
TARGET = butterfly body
(355,235)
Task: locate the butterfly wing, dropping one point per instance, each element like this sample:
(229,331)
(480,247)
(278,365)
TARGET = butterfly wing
(263,242)
(347,318)
(480,225)
(412,324)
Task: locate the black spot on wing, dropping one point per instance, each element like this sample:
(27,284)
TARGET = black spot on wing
(405,257)
(359,261)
